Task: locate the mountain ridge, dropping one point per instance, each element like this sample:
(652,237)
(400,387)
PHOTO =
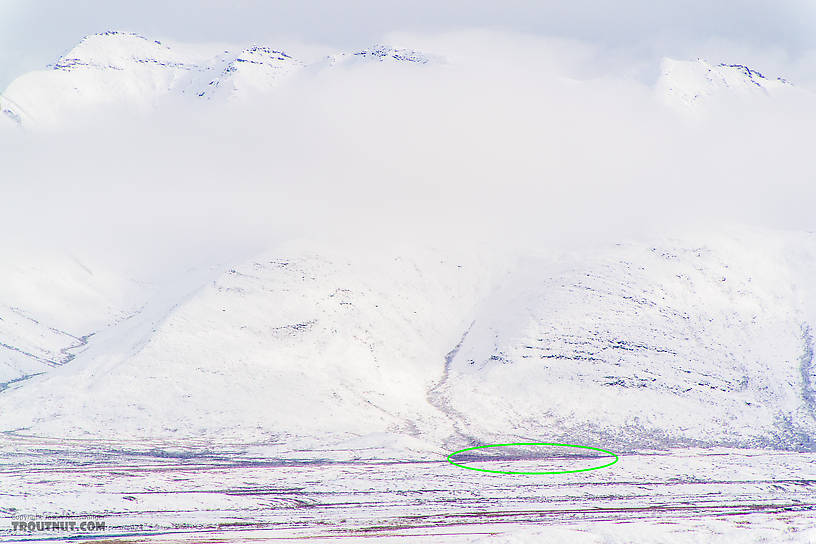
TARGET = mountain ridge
(677,344)
(129,68)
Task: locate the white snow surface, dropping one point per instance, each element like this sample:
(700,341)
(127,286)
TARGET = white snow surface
(125,70)
(677,343)
(49,307)
(701,341)
(299,343)
(338,376)
(693,86)
(640,346)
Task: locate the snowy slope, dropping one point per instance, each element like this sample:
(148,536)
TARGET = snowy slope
(103,70)
(301,343)
(29,347)
(255,69)
(50,306)
(691,85)
(385,54)
(683,342)
(120,69)
(644,346)
(629,346)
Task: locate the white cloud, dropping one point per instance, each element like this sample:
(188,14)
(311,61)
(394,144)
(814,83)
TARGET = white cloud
(521,140)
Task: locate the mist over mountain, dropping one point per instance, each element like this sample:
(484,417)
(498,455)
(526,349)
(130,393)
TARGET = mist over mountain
(529,272)
(455,241)
(126,69)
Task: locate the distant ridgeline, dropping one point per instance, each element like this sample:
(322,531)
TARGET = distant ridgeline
(120,67)
(128,69)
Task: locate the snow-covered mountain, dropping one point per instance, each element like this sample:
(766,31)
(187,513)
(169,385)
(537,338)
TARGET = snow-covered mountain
(119,69)
(382,53)
(126,69)
(255,69)
(297,342)
(682,342)
(690,85)
(50,307)
(670,344)
(675,343)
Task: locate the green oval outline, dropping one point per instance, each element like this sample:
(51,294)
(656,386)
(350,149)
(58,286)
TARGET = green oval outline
(615,455)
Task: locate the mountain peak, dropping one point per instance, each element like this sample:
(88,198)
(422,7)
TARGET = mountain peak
(125,68)
(690,84)
(254,69)
(112,49)
(384,52)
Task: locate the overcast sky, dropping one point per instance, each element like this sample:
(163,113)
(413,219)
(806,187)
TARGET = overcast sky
(34,33)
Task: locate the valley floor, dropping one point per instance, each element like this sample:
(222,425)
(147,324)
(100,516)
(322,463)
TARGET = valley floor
(159,492)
